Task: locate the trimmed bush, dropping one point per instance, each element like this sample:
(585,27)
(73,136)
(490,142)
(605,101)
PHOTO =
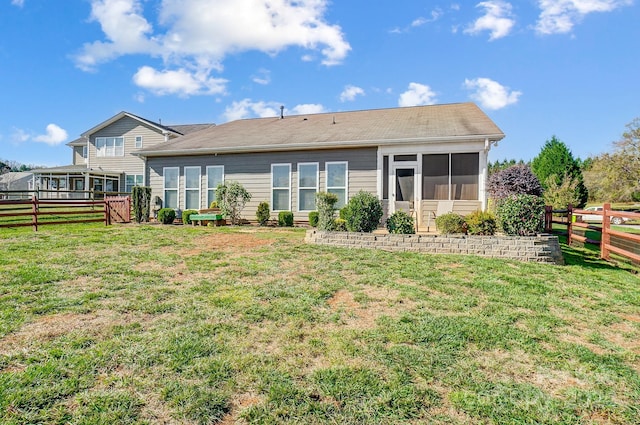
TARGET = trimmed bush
(481,223)
(186,214)
(285,219)
(363,212)
(166,215)
(232,197)
(521,215)
(141,199)
(263,213)
(313,218)
(401,222)
(325,202)
(213,204)
(451,223)
(340,225)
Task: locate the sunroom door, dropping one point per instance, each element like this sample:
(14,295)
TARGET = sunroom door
(405,189)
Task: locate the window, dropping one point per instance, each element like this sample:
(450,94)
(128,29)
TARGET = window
(281,187)
(131,180)
(191,188)
(337,181)
(171,177)
(138,142)
(215,176)
(109,146)
(307,186)
(84,152)
(450,176)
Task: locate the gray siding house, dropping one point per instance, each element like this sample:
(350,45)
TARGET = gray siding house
(423,159)
(104,160)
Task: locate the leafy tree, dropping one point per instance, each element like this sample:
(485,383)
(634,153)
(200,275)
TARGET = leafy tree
(494,167)
(515,180)
(615,176)
(563,194)
(232,197)
(4,168)
(555,159)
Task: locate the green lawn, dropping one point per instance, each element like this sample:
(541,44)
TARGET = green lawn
(175,324)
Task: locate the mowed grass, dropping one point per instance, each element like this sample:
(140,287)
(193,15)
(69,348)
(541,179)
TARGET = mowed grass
(174,324)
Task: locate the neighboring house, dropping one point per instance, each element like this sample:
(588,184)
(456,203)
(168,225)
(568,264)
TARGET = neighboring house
(103,157)
(22,181)
(420,159)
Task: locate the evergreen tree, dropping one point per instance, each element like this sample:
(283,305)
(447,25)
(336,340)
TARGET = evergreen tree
(556,161)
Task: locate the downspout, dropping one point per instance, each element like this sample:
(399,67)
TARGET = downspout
(87,174)
(484,159)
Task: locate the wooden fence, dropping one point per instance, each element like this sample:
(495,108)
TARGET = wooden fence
(611,241)
(42,212)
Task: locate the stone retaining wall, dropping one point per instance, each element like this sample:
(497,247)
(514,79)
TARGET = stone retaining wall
(541,249)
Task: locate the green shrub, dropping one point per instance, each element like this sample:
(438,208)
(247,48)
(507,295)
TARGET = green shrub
(344,211)
(521,215)
(186,214)
(166,215)
(313,218)
(285,219)
(141,199)
(340,225)
(450,223)
(232,197)
(325,202)
(481,223)
(263,213)
(363,212)
(213,204)
(400,222)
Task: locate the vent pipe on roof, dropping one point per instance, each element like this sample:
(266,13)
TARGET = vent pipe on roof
(281,112)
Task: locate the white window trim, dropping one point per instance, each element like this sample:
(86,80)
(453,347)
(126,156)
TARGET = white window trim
(199,188)
(104,152)
(211,167)
(346,178)
(164,188)
(300,187)
(138,142)
(134,181)
(280,165)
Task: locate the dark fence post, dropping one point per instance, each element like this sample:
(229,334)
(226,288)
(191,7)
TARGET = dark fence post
(548,218)
(107,212)
(34,209)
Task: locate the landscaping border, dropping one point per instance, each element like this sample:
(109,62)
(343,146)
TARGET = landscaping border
(540,249)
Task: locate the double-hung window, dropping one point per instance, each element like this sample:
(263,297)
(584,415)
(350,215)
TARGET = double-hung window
(192,188)
(215,176)
(171,177)
(132,180)
(307,186)
(138,144)
(281,187)
(109,146)
(337,173)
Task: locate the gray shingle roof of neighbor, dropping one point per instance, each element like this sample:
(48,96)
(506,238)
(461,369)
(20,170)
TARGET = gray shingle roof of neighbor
(189,128)
(417,124)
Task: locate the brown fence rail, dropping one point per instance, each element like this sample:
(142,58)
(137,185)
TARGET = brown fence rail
(42,212)
(618,242)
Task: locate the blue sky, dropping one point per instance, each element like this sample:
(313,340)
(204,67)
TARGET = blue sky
(538,68)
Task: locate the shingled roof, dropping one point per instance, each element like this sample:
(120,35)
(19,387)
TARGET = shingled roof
(417,124)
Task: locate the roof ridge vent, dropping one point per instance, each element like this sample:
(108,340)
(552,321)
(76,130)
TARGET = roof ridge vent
(281,112)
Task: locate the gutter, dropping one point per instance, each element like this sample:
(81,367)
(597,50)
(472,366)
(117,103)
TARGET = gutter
(317,145)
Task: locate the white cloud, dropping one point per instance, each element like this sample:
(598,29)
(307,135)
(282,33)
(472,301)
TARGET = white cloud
(263,77)
(417,94)
(18,3)
(181,82)
(559,16)
(54,136)
(197,35)
(420,21)
(307,109)
(498,19)
(350,92)
(491,94)
(246,108)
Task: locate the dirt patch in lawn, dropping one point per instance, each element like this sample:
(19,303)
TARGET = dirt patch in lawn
(51,327)
(237,242)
